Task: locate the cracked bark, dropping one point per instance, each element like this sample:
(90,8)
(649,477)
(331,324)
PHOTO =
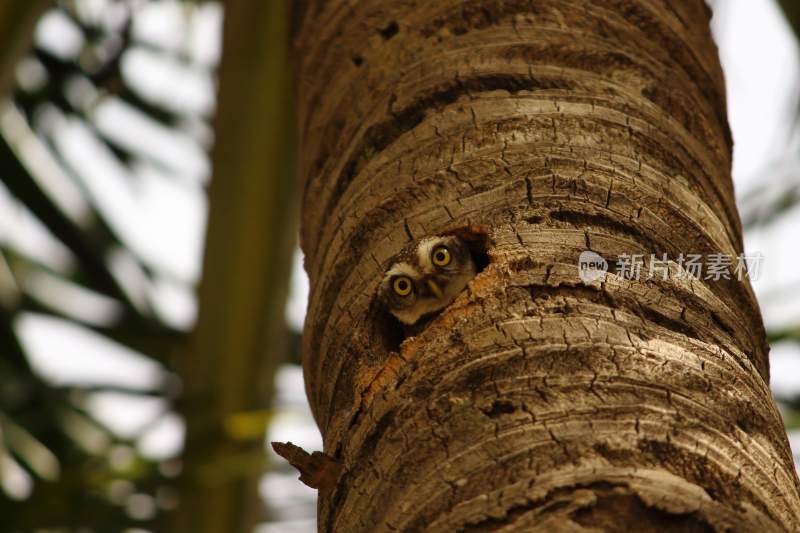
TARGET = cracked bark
(535,400)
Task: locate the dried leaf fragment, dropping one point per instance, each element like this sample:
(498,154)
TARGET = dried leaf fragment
(317,470)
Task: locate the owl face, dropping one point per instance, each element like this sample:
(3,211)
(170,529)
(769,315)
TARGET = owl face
(427,277)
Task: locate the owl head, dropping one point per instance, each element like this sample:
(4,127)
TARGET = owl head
(426,277)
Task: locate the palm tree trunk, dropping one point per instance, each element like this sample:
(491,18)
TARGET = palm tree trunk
(536,399)
(17,23)
(240,336)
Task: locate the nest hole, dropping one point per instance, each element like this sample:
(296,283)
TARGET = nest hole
(478,241)
(389,31)
(388,333)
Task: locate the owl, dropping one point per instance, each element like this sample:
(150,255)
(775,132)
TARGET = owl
(426,277)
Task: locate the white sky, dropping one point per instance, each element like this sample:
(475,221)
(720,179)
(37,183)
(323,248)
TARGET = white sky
(760,56)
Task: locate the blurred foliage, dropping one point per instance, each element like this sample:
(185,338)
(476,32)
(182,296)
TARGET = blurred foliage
(774,198)
(791,8)
(54,453)
(780,188)
(791,413)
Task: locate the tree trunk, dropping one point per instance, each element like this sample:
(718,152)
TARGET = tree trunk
(535,399)
(17,23)
(240,337)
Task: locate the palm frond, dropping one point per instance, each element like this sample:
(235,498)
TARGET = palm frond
(71,263)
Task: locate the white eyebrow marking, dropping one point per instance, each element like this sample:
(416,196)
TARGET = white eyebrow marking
(424,252)
(402,269)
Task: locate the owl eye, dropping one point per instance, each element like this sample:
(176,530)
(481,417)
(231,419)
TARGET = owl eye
(441,256)
(402,285)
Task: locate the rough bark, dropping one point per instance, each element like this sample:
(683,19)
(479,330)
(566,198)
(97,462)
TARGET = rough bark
(535,400)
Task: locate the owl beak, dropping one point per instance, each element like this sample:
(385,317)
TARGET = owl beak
(435,289)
